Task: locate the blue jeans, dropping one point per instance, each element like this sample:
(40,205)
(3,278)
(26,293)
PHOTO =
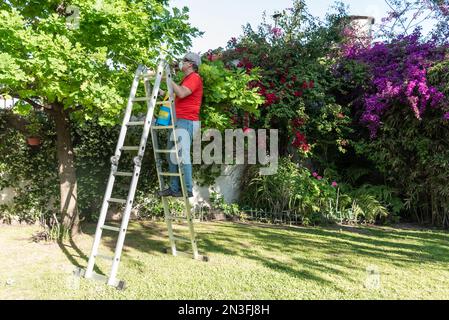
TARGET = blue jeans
(184,137)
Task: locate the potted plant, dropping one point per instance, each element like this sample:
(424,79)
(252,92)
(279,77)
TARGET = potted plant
(33,130)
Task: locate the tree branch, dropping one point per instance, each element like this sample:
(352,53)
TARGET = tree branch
(15,121)
(33,103)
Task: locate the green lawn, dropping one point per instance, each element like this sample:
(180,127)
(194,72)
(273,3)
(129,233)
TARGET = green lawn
(246,262)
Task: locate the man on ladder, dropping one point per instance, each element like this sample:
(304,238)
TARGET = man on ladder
(188,103)
(189,96)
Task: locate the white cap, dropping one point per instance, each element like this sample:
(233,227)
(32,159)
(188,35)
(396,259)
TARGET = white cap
(193,57)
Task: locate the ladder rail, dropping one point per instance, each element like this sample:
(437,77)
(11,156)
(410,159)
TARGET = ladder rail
(158,160)
(111,180)
(137,168)
(188,209)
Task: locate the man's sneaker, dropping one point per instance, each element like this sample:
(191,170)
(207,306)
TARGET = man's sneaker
(165,193)
(179,194)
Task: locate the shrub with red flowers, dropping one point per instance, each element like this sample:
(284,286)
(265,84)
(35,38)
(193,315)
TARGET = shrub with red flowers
(296,80)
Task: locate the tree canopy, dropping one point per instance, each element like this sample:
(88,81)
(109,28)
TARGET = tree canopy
(85,67)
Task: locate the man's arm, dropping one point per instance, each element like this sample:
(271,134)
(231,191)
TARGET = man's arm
(180,91)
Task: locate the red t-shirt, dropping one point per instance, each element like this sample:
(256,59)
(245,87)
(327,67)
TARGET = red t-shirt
(189,107)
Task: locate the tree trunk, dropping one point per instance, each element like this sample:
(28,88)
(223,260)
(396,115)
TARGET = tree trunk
(66,169)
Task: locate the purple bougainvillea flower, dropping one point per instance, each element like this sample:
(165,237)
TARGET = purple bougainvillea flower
(399,70)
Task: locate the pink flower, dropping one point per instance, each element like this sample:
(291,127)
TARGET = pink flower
(305,147)
(246,130)
(334,184)
(319,178)
(315,174)
(277,32)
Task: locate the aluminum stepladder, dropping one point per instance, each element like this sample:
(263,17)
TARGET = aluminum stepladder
(148,125)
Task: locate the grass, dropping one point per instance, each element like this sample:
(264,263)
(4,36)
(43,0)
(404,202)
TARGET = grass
(246,262)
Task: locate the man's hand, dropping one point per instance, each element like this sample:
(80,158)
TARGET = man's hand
(151,73)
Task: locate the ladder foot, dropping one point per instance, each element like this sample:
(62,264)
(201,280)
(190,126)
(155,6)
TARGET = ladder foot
(121,285)
(187,255)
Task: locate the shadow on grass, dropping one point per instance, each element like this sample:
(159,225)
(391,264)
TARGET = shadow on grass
(263,243)
(78,254)
(332,244)
(138,239)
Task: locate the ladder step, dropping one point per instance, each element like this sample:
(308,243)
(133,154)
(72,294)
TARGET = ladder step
(141,99)
(122,201)
(144,99)
(146,75)
(110,228)
(129,148)
(169,174)
(164,151)
(123,174)
(181,239)
(136,123)
(162,127)
(104,257)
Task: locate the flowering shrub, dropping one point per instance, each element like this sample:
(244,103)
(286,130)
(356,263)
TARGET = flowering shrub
(397,72)
(399,90)
(294,60)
